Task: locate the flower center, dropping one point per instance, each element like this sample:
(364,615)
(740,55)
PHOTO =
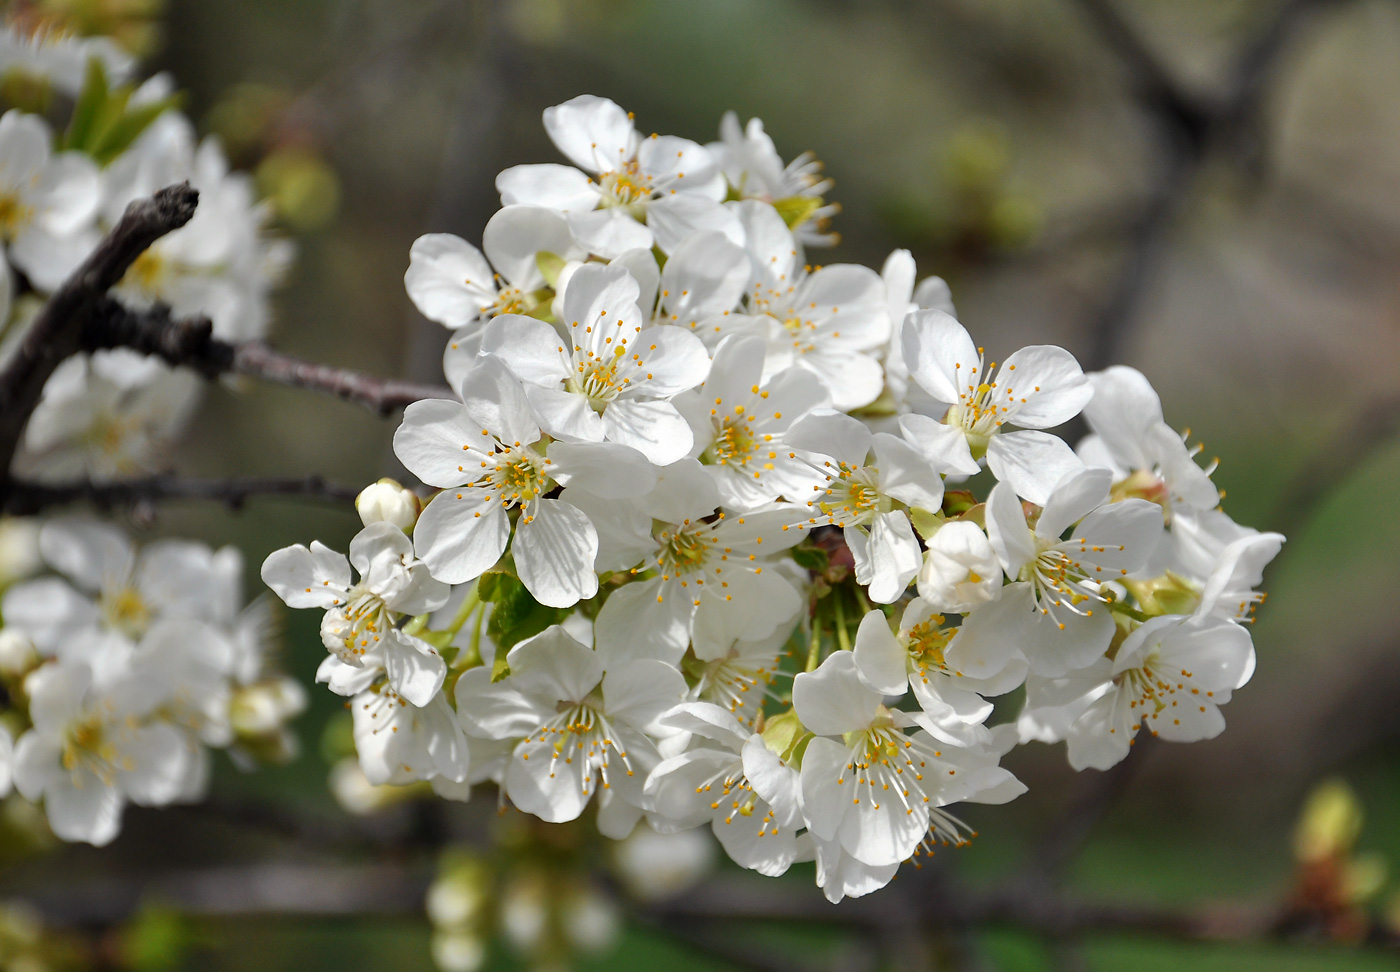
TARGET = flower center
(853,496)
(86,746)
(734,441)
(520,477)
(582,740)
(355,629)
(624,186)
(599,379)
(148,272)
(683,551)
(14,215)
(884,764)
(510,300)
(1060,581)
(926,642)
(126,611)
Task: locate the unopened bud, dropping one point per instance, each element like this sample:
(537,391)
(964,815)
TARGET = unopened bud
(262,709)
(458,952)
(19,550)
(17,654)
(388,502)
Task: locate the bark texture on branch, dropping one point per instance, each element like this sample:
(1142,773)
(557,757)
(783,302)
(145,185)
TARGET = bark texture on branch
(57,332)
(190,343)
(28,499)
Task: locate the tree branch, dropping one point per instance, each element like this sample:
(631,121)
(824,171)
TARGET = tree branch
(1187,127)
(28,499)
(56,332)
(189,343)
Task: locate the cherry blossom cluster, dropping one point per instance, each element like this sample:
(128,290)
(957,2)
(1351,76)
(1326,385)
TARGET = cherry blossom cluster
(124,667)
(61,188)
(121,673)
(714,536)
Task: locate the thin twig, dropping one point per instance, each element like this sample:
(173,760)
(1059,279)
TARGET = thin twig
(56,332)
(27,498)
(190,343)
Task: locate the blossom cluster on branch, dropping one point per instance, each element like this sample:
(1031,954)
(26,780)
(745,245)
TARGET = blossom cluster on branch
(119,674)
(84,141)
(716,536)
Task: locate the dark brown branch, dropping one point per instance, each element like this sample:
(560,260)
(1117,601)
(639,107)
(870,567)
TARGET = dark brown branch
(190,343)
(1187,128)
(28,499)
(56,332)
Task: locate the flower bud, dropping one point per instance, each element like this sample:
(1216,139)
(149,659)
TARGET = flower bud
(17,654)
(655,866)
(263,708)
(19,550)
(388,502)
(458,952)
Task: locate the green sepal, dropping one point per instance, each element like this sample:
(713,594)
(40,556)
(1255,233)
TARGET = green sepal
(550,265)
(500,668)
(926,523)
(796,210)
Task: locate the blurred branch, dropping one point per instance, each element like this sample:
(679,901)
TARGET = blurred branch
(28,499)
(334,98)
(1346,451)
(350,891)
(56,332)
(1092,797)
(189,342)
(1188,127)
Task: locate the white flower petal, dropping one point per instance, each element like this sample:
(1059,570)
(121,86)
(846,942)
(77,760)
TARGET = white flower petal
(314,578)
(448,279)
(1051,382)
(833,699)
(881,660)
(593,133)
(655,429)
(939,353)
(461,535)
(1032,463)
(516,235)
(415,669)
(558,187)
(555,545)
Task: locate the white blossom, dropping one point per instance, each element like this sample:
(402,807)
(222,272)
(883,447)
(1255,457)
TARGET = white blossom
(609,376)
(1037,388)
(360,615)
(871,787)
(582,729)
(628,192)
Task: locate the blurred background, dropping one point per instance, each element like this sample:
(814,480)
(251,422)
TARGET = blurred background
(1219,207)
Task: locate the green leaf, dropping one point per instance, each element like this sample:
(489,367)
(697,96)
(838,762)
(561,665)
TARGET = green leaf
(118,135)
(808,555)
(91,101)
(516,615)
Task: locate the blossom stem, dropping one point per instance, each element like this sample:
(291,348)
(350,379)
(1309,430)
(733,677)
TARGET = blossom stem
(814,646)
(843,637)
